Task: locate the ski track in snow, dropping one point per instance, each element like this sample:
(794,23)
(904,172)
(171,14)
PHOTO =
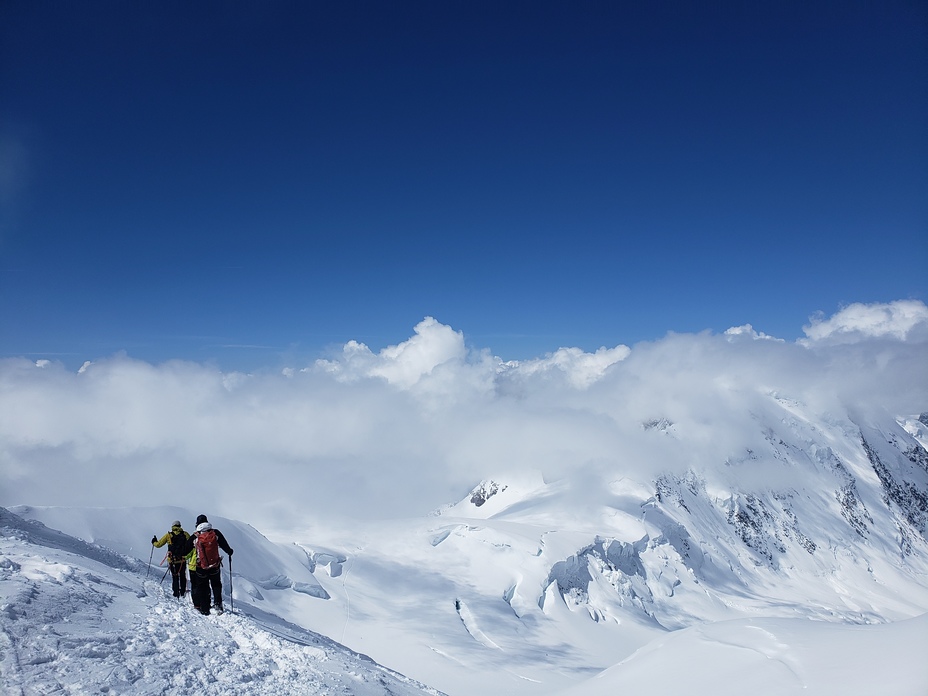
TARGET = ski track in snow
(71,625)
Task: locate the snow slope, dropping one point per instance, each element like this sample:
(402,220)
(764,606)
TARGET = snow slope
(533,586)
(775,657)
(803,569)
(79,619)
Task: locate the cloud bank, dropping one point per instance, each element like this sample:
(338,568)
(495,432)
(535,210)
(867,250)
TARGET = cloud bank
(416,425)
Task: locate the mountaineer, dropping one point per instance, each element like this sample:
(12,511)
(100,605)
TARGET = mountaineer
(205,542)
(176,539)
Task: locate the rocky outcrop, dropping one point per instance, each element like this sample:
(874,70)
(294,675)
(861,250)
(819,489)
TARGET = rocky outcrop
(483,492)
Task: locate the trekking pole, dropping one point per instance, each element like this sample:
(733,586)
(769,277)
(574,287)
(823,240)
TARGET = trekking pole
(151,555)
(165,574)
(231,598)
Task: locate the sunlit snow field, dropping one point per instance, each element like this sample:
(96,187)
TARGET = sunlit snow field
(74,623)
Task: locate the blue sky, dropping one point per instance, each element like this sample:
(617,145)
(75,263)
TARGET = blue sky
(253,184)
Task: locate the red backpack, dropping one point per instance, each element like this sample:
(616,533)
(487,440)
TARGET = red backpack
(207,549)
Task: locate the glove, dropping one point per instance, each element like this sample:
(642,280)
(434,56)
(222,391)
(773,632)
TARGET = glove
(154,539)
(230,551)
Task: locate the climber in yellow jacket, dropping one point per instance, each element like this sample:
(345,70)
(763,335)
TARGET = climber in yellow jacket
(176,539)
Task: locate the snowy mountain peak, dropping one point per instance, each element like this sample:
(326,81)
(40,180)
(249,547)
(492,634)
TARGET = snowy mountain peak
(663,425)
(493,496)
(484,491)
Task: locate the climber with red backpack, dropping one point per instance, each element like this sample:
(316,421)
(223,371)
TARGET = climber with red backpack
(206,542)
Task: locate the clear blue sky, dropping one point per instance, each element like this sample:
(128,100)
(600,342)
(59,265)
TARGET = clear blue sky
(178,178)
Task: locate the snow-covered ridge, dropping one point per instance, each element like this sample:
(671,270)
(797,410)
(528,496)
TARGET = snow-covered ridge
(841,508)
(77,618)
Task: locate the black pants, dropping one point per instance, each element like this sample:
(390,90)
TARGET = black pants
(204,583)
(179,578)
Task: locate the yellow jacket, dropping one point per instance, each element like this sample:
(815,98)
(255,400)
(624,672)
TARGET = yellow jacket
(191,557)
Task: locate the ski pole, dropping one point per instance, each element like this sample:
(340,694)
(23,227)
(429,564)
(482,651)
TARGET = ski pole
(231,598)
(151,555)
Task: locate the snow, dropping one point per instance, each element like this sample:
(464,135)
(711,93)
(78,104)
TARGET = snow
(708,514)
(74,624)
(775,657)
(524,586)
(78,618)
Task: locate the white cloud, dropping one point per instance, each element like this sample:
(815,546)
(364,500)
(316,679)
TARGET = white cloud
(403,364)
(582,369)
(416,425)
(856,322)
(747,331)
